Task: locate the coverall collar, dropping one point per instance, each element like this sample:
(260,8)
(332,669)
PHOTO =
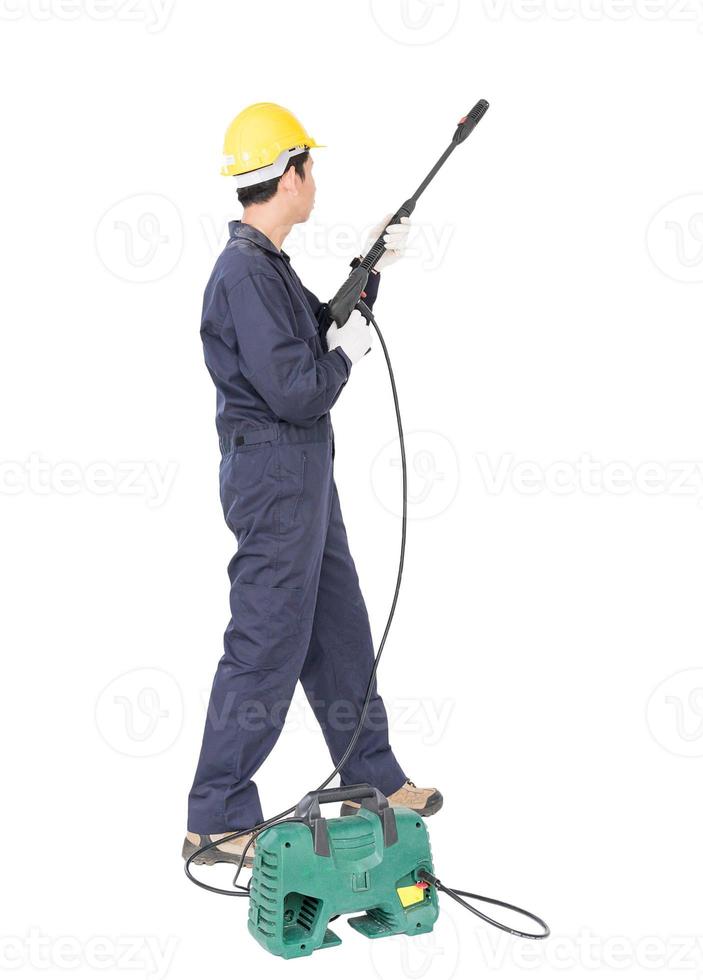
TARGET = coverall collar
(239,229)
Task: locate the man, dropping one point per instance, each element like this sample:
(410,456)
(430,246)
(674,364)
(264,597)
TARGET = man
(279,366)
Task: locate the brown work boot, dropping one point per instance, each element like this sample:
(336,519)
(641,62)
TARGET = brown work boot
(423,801)
(230,852)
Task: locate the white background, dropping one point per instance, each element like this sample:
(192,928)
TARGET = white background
(545,666)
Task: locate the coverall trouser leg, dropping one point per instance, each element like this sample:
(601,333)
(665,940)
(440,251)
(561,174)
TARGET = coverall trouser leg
(297,613)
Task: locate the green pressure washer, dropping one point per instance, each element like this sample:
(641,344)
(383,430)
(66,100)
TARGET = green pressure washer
(308,872)
(307,869)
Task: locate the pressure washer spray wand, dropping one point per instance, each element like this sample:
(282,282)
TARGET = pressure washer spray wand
(349,294)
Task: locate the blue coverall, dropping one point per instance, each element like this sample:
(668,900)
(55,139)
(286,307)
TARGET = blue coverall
(297,609)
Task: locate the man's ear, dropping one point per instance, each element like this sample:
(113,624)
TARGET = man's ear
(289,181)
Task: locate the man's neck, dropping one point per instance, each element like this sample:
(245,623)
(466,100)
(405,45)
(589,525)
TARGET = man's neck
(268,224)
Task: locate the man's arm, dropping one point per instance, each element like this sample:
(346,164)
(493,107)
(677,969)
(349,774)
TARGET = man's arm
(298,387)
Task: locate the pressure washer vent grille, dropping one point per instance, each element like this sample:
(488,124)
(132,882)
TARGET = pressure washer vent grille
(308,912)
(265,899)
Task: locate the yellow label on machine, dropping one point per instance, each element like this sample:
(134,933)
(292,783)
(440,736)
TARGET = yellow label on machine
(410,895)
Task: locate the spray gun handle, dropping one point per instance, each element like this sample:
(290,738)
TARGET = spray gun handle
(348,295)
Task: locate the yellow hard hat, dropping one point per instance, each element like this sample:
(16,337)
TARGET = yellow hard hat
(259,141)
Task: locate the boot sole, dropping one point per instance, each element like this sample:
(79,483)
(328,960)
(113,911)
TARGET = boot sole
(434,803)
(214,855)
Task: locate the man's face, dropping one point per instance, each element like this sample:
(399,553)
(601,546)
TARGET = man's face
(305,200)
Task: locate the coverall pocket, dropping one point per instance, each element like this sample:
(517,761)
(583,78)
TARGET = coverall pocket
(263,614)
(249,490)
(246,467)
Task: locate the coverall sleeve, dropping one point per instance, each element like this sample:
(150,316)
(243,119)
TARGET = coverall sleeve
(372,289)
(296,385)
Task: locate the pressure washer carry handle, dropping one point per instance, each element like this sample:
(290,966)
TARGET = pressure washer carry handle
(349,294)
(308,811)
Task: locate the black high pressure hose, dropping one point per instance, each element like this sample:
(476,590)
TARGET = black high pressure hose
(242,891)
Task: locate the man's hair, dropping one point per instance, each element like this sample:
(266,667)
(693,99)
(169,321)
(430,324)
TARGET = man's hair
(259,193)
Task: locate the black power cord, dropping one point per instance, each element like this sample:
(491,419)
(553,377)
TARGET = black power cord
(454,893)
(242,891)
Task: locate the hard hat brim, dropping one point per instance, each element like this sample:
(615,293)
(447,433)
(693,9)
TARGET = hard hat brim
(230,169)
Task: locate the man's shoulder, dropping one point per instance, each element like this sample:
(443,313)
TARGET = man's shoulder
(239,261)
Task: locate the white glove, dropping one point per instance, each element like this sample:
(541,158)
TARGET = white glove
(396,239)
(354,338)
